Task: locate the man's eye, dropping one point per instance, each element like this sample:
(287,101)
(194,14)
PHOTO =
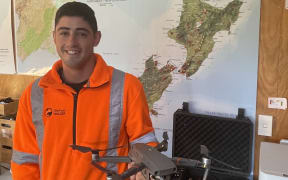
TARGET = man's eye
(83,35)
(64,33)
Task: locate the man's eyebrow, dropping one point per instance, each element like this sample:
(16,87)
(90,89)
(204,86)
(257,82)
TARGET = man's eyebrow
(77,29)
(63,28)
(82,29)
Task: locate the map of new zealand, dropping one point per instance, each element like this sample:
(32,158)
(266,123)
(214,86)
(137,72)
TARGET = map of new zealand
(203,52)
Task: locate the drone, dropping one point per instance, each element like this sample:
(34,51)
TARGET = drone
(149,160)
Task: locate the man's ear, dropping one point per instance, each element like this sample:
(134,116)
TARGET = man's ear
(97,37)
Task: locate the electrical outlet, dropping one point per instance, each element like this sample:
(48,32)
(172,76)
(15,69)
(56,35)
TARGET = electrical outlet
(265,125)
(277,103)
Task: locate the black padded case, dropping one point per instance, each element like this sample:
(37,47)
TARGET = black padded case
(228,140)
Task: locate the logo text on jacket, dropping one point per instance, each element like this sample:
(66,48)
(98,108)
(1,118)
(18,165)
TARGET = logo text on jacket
(58,112)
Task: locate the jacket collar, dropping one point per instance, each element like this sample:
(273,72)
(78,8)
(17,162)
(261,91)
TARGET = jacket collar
(99,76)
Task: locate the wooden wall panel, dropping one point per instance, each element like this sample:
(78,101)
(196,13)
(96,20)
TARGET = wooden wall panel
(272,70)
(14,85)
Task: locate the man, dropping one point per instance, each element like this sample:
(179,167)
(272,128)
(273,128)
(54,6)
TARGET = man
(80,101)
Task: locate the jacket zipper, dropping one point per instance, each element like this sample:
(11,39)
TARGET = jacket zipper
(74,117)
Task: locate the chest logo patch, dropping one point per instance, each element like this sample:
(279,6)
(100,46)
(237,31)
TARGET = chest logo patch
(58,112)
(48,112)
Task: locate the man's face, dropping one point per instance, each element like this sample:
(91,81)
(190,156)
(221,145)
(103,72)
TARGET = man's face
(75,40)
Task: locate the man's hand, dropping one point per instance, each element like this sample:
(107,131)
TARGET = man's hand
(138,176)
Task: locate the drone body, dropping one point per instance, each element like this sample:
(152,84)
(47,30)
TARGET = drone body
(149,160)
(157,163)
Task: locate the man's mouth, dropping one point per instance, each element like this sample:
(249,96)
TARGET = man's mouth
(72,52)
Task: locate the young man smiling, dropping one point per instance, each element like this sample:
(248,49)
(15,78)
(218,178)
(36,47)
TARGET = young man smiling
(90,104)
(75,41)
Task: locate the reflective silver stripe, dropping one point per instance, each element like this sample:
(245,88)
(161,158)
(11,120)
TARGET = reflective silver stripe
(115,114)
(149,137)
(37,110)
(21,157)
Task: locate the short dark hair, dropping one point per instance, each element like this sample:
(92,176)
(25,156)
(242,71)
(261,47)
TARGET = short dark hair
(77,9)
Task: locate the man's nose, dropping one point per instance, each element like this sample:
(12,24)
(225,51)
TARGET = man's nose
(72,40)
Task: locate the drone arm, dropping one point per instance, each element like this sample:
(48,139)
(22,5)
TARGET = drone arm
(114,159)
(107,171)
(133,170)
(223,163)
(184,162)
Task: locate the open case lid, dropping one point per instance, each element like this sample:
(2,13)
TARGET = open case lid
(274,159)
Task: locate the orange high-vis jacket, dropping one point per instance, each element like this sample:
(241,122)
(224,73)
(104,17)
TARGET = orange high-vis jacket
(109,111)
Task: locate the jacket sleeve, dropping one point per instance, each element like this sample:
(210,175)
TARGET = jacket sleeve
(138,122)
(25,158)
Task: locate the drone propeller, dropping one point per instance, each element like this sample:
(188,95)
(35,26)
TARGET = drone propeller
(82,149)
(85,149)
(165,135)
(204,150)
(163,146)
